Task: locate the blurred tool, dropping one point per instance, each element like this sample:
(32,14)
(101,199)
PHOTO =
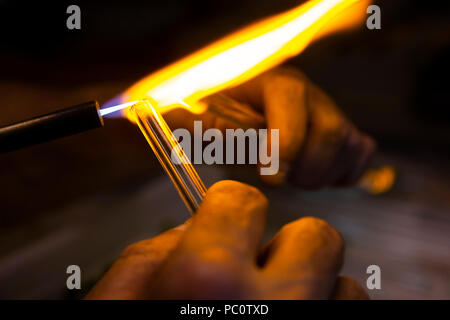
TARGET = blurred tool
(58,124)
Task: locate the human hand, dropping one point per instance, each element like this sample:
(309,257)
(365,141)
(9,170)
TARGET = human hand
(318,145)
(217,255)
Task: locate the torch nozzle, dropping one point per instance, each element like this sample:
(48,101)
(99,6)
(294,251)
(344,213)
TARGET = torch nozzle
(50,126)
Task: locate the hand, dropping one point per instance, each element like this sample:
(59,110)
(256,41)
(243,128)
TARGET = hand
(216,255)
(318,145)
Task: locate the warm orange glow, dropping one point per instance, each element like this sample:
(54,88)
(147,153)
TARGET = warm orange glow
(378,181)
(245,54)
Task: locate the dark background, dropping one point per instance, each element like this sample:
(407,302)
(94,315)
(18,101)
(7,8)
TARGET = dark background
(393,83)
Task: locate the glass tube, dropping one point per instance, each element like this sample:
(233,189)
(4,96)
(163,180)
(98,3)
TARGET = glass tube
(170,154)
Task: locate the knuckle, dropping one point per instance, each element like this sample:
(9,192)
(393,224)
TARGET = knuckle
(320,225)
(289,72)
(284,82)
(327,121)
(316,226)
(134,249)
(284,79)
(154,248)
(240,192)
(334,131)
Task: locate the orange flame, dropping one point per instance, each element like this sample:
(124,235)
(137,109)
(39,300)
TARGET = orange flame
(245,54)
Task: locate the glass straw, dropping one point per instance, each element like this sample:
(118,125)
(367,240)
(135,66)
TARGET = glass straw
(170,154)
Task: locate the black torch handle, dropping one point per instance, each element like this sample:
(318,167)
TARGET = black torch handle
(51,126)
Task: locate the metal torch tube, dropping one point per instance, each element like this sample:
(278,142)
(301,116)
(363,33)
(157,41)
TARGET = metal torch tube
(170,154)
(51,126)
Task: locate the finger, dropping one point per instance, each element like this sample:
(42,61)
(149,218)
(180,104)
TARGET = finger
(230,219)
(349,289)
(360,163)
(284,98)
(327,135)
(218,251)
(343,161)
(351,160)
(303,260)
(130,276)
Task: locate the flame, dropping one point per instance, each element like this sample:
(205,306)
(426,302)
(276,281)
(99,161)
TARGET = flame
(244,54)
